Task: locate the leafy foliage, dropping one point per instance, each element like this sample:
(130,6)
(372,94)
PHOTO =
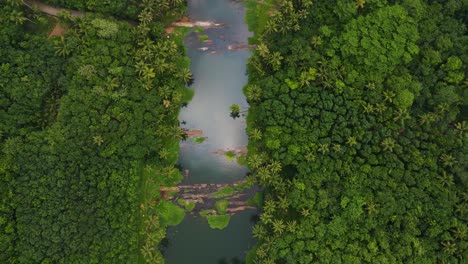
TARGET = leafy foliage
(218,221)
(221,206)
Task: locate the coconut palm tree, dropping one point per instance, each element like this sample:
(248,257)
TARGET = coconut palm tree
(98,140)
(446,180)
(388,144)
(275,167)
(316,41)
(18,18)
(360,4)
(265,218)
(448,160)
(305,212)
(254,161)
(449,247)
(291,226)
(263,50)
(253,93)
(259,231)
(336,148)
(283,203)
(62,48)
(274,60)
(278,226)
(324,148)
(261,252)
(264,175)
(186,76)
(256,134)
(461,129)
(269,207)
(235,110)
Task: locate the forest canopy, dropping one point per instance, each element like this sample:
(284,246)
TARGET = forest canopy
(357,130)
(89,133)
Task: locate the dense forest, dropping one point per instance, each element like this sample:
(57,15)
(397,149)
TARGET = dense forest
(358,130)
(89,131)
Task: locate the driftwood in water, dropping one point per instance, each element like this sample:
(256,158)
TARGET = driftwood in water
(241,46)
(203,24)
(204,196)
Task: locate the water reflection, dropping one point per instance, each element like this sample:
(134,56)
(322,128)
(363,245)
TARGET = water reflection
(219,78)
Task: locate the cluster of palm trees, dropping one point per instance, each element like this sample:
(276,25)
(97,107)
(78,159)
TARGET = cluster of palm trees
(287,16)
(155,64)
(276,207)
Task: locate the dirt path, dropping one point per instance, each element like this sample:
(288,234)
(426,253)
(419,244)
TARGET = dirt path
(52,10)
(58,30)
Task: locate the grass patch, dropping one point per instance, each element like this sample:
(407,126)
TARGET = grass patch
(226,191)
(230,154)
(242,160)
(171,193)
(221,206)
(198,29)
(188,205)
(257,16)
(242,186)
(187,95)
(205,213)
(257,200)
(218,221)
(199,140)
(202,38)
(169,213)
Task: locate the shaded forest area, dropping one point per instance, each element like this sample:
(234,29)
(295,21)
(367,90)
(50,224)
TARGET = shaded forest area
(358,131)
(89,132)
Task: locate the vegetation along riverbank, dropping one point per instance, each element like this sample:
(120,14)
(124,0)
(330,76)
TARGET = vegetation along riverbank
(358,130)
(89,131)
(356,121)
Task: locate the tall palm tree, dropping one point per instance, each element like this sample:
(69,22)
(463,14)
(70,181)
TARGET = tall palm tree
(275,167)
(254,161)
(256,134)
(253,93)
(360,4)
(278,226)
(264,175)
(291,226)
(269,207)
(274,60)
(283,202)
(461,129)
(98,140)
(263,50)
(259,231)
(388,144)
(448,160)
(446,180)
(18,18)
(324,148)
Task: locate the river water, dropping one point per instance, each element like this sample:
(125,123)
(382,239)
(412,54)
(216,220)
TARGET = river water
(219,75)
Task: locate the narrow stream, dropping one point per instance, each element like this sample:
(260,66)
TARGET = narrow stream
(219,75)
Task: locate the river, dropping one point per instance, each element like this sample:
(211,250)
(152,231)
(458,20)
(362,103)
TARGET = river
(219,75)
